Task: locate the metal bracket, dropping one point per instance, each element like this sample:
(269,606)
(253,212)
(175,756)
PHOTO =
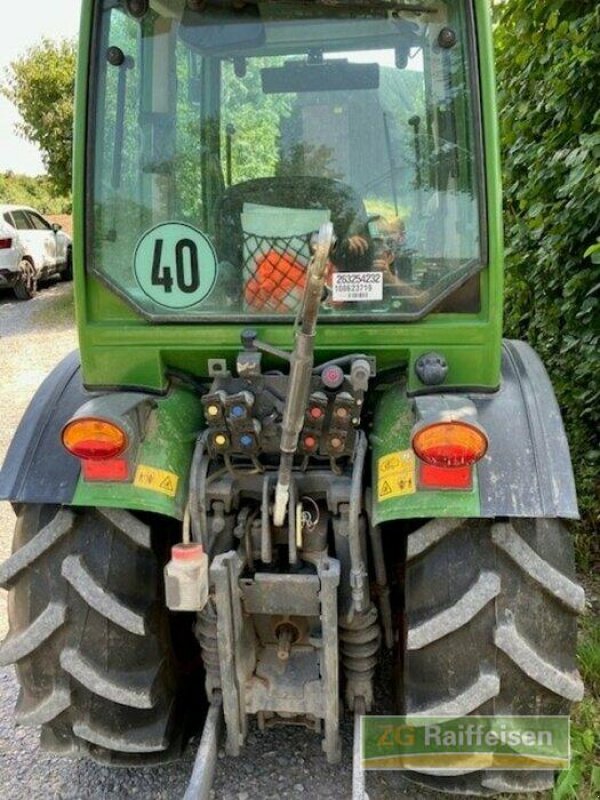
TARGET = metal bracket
(252,679)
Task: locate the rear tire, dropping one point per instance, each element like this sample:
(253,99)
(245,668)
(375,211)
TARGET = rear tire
(26,284)
(90,635)
(67,272)
(491,629)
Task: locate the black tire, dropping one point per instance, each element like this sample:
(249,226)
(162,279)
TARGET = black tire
(90,635)
(67,272)
(25,286)
(491,611)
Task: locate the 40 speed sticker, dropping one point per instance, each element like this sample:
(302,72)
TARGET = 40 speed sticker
(396,475)
(357,287)
(175,265)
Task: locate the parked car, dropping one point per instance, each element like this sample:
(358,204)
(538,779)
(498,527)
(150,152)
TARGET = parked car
(31,248)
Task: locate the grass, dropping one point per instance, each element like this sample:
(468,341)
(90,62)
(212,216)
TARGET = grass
(588,655)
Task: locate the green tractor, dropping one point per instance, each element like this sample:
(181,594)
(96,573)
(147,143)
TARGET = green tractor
(293,438)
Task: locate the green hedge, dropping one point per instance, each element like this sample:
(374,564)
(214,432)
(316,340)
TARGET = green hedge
(37,192)
(548,61)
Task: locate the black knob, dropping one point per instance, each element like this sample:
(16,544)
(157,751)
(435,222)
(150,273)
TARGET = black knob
(249,337)
(447,38)
(137,8)
(115,56)
(431,369)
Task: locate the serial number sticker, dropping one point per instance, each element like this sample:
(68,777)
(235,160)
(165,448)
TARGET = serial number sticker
(156,480)
(396,475)
(357,287)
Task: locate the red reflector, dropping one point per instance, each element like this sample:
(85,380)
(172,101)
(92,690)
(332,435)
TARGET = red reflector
(5,244)
(431,477)
(115,469)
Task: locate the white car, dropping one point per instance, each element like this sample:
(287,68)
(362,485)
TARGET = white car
(31,248)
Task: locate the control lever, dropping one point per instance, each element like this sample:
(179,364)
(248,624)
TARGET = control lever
(301,366)
(251,342)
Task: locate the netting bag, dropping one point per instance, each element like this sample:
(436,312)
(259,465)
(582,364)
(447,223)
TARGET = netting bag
(275,264)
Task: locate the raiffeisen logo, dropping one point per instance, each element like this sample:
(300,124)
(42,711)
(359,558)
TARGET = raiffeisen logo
(422,743)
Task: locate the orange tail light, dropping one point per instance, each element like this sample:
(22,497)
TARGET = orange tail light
(92,439)
(450,444)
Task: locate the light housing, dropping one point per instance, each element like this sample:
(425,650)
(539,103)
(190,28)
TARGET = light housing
(94,439)
(5,244)
(450,444)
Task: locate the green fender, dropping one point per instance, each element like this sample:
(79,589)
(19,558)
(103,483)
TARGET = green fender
(396,494)
(526,471)
(162,463)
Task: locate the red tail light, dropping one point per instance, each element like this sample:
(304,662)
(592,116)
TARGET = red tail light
(451,444)
(5,244)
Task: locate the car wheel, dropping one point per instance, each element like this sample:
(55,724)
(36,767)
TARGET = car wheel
(67,273)
(26,284)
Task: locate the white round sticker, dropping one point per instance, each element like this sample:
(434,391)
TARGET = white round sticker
(175,265)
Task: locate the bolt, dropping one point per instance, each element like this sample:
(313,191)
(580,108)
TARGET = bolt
(285,639)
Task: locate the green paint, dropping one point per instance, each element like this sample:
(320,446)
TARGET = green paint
(168,445)
(118,347)
(175,265)
(394,420)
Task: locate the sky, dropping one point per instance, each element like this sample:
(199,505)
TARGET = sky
(23,26)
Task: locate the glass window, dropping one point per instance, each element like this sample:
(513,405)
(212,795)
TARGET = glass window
(225,137)
(38,223)
(22,221)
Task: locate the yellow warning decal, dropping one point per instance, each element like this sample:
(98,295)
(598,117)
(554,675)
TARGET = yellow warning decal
(396,475)
(156,480)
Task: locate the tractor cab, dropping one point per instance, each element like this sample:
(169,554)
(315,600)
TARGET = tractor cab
(225,134)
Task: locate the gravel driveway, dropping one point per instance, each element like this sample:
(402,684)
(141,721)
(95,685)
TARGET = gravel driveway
(282,763)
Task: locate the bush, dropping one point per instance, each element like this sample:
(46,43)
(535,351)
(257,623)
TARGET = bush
(548,65)
(38,193)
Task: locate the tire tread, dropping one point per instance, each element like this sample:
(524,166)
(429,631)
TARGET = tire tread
(89,634)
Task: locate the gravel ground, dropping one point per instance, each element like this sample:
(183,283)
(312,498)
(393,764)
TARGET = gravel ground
(282,763)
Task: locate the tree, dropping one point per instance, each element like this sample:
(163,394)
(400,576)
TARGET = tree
(41,85)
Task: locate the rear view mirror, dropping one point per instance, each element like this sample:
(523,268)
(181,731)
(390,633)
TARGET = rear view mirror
(326,77)
(402,54)
(222,31)
(56,227)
